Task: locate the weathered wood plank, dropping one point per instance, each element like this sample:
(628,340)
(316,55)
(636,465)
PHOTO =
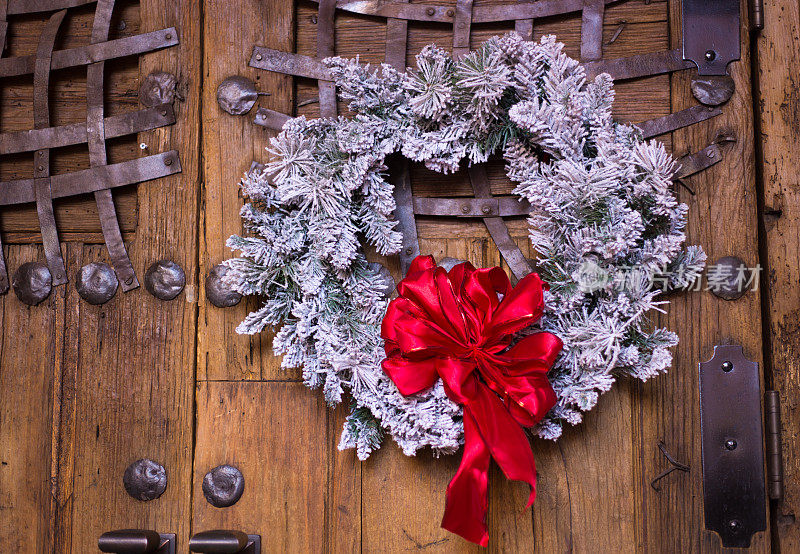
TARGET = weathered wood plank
(722,218)
(135,356)
(778,59)
(230,144)
(300,493)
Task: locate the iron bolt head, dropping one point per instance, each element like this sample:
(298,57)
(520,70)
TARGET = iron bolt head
(733,278)
(450,13)
(236,95)
(465,208)
(223,486)
(32,283)
(727,366)
(40,167)
(430,11)
(486,210)
(217,292)
(157,88)
(259,57)
(164,279)
(145,479)
(96,283)
(168,161)
(735,525)
(711,55)
(731,444)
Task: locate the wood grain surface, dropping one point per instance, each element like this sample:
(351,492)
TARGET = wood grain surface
(86,390)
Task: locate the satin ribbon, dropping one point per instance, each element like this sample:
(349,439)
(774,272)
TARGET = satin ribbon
(454,326)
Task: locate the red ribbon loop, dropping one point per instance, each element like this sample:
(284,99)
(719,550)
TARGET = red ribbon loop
(459,326)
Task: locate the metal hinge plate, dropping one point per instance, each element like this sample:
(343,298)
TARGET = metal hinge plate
(732,441)
(711,34)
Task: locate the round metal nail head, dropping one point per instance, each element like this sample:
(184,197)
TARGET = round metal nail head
(164,279)
(145,479)
(223,486)
(157,88)
(237,95)
(96,283)
(32,283)
(731,278)
(217,292)
(713,90)
(385,276)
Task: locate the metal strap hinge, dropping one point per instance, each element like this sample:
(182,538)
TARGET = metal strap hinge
(772,424)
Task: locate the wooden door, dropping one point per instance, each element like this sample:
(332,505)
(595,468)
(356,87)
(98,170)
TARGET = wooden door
(86,390)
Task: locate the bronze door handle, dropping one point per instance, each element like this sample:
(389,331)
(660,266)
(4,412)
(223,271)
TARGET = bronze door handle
(221,541)
(137,541)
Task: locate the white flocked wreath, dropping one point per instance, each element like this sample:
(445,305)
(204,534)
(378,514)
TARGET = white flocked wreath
(605,224)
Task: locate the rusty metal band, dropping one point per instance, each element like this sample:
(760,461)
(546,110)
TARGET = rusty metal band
(404,211)
(491,13)
(654,127)
(462,27)
(84,55)
(592,30)
(95,132)
(471,207)
(642,65)
(270,119)
(90,180)
(41,158)
(75,133)
(290,64)
(396,43)
(497,228)
(697,162)
(325,38)
(21,7)
(396,49)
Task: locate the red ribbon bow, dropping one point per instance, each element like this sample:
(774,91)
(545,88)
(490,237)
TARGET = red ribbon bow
(454,326)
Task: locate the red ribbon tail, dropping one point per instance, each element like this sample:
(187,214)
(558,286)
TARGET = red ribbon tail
(467,494)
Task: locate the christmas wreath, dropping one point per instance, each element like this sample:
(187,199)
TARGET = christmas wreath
(605,224)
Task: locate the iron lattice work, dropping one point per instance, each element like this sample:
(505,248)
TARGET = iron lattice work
(100,177)
(490,209)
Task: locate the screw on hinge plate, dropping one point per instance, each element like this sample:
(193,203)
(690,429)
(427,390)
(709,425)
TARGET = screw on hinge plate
(772,412)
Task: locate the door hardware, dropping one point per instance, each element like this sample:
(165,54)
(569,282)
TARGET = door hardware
(221,541)
(223,486)
(732,444)
(145,479)
(711,34)
(772,411)
(137,541)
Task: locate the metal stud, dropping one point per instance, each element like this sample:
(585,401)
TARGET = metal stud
(237,95)
(145,480)
(386,276)
(449,263)
(727,366)
(730,444)
(164,279)
(217,292)
(157,88)
(32,283)
(713,90)
(223,486)
(96,283)
(731,278)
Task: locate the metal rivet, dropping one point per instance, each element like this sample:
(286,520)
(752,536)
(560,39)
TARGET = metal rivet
(386,276)
(727,366)
(167,161)
(129,281)
(713,90)
(735,525)
(409,251)
(430,11)
(465,208)
(486,209)
(32,283)
(96,283)
(157,88)
(164,279)
(731,444)
(711,55)
(258,57)
(450,13)
(145,479)
(217,292)
(223,486)
(236,95)
(40,167)
(168,36)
